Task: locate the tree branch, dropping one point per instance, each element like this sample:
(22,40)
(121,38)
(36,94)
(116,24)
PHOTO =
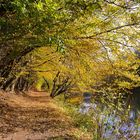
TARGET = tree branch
(121,6)
(107,31)
(106,53)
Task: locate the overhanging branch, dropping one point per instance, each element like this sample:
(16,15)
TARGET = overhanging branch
(107,31)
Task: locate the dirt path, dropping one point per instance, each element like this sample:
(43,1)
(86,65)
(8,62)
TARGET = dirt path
(34,117)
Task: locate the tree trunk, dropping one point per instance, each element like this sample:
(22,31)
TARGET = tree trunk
(61,87)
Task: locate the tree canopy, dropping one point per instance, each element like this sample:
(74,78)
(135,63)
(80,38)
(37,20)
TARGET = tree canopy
(92,44)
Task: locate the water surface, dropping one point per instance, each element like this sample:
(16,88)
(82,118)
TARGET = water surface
(118,121)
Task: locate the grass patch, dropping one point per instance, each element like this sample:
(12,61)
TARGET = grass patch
(84,122)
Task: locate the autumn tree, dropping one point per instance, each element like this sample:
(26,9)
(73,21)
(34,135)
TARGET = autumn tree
(27,25)
(91,41)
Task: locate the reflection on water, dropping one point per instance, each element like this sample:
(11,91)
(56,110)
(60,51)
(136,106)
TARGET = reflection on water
(115,125)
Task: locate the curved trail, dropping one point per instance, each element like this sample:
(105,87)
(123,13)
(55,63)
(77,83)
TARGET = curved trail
(34,116)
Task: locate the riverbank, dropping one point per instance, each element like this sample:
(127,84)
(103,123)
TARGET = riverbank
(102,121)
(35,116)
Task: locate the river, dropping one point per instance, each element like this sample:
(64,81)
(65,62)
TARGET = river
(118,121)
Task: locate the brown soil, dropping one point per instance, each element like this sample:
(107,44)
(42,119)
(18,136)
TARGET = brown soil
(35,116)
